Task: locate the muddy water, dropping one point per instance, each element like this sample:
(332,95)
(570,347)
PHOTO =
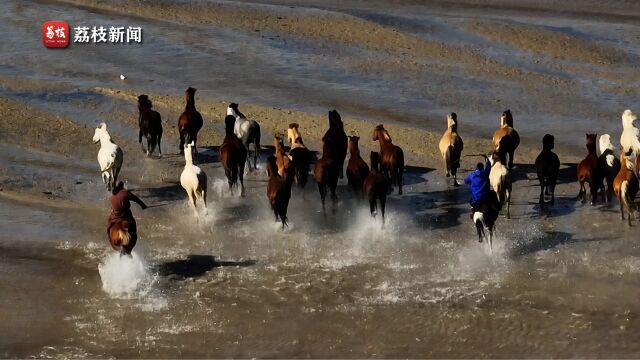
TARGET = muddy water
(232,283)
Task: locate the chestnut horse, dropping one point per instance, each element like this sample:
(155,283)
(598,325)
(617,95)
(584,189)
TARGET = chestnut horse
(588,171)
(233,155)
(375,186)
(326,173)
(451,146)
(608,166)
(336,140)
(625,185)
(547,168)
(150,124)
(190,122)
(282,160)
(299,154)
(391,158)
(506,139)
(279,188)
(357,169)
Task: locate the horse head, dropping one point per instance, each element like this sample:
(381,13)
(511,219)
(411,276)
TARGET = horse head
(189,96)
(506,119)
(233,110)
(548,142)
(143,102)
(188,155)
(100,133)
(591,142)
(278,142)
(353,144)
(605,143)
(293,135)
(380,133)
(335,120)
(229,123)
(452,121)
(628,117)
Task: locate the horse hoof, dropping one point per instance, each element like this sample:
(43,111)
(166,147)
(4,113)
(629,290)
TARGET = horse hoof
(448,175)
(455,184)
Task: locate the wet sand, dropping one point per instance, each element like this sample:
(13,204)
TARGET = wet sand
(562,283)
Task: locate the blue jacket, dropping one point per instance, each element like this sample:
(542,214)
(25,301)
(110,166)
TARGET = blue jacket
(479,183)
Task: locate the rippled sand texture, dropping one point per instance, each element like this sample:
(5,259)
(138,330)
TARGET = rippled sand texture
(232,284)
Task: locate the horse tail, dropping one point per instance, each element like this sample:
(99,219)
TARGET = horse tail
(124,236)
(626,196)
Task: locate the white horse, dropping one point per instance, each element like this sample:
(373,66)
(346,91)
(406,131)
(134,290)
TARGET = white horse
(629,138)
(248,131)
(193,179)
(110,156)
(500,181)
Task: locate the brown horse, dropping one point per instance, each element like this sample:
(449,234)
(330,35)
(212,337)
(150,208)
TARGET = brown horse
(357,169)
(588,171)
(376,186)
(279,188)
(451,146)
(506,139)
(391,158)
(282,160)
(190,122)
(299,154)
(150,124)
(625,185)
(547,168)
(326,174)
(233,155)
(336,140)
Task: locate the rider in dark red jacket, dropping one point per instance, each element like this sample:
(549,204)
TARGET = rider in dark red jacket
(121,209)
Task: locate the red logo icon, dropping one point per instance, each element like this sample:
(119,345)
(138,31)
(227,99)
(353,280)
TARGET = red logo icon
(55,34)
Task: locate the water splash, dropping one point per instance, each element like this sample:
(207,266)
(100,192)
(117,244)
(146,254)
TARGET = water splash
(124,276)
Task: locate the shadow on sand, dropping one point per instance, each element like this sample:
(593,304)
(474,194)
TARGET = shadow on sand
(197,265)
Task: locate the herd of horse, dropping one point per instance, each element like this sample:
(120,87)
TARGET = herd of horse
(376,179)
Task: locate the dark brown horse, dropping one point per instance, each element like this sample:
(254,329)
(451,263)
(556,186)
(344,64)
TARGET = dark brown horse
(608,167)
(326,174)
(588,171)
(300,156)
(376,186)
(391,158)
(233,155)
(150,124)
(190,122)
(625,185)
(279,188)
(357,169)
(336,140)
(121,225)
(547,168)
(506,139)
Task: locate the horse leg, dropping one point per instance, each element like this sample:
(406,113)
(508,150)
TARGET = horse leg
(256,153)
(491,240)
(241,176)
(323,193)
(192,200)
(455,178)
(159,148)
(398,175)
(511,158)
(140,140)
(373,206)
(552,190)
(622,208)
(582,193)
(508,198)
(182,140)
(383,203)
(541,198)
(593,188)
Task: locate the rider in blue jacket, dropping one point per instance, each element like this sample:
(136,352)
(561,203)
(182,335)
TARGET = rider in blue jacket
(479,182)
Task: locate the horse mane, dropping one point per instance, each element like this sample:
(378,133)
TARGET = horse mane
(605,143)
(293,126)
(335,120)
(234,107)
(189,96)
